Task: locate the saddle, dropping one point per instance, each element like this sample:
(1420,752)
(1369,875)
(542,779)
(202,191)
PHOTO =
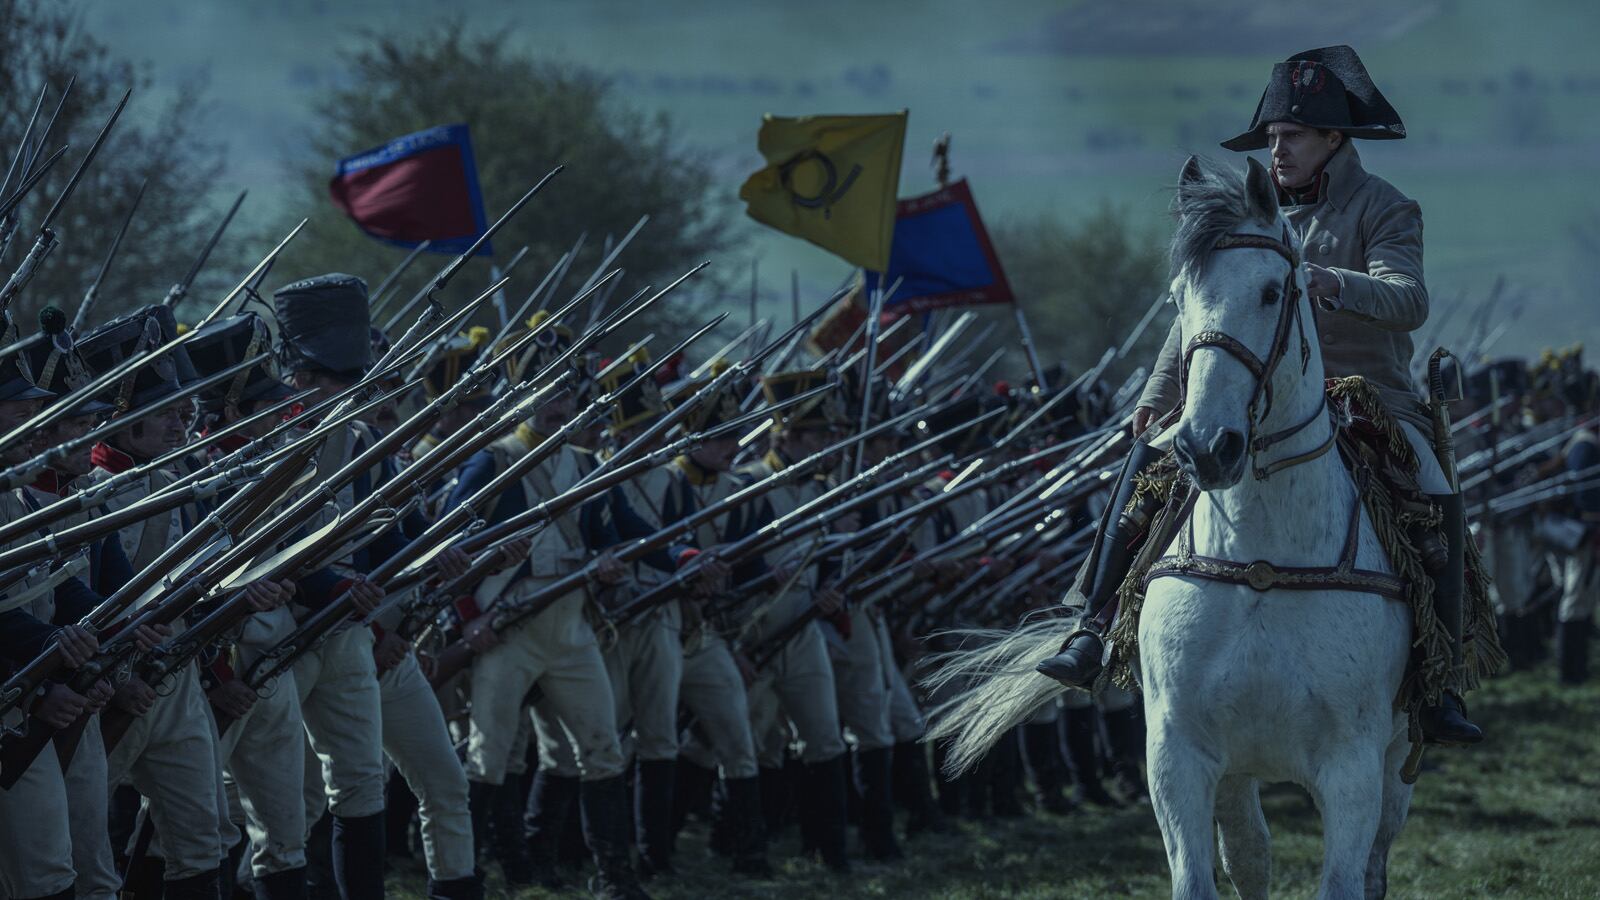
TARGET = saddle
(1384,467)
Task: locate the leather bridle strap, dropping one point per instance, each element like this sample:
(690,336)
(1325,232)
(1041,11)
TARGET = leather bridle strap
(1262,370)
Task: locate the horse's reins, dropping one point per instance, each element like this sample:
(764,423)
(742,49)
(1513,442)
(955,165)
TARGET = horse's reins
(1262,575)
(1264,370)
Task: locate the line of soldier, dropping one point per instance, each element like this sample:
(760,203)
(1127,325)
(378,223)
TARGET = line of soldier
(1531,454)
(543,596)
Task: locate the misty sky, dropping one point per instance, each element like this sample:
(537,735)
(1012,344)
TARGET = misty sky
(1054,107)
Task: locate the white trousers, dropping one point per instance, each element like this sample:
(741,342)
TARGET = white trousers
(416,738)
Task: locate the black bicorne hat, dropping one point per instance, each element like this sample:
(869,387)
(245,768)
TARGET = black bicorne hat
(124,338)
(1326,88)
(55,364)
(228,342)
(460,353)
(324,325)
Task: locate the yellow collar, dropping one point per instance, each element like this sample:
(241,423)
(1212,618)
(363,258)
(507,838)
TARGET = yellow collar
(774,461)
(528,436)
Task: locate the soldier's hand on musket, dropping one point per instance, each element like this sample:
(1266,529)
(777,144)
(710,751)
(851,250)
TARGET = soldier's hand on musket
(480,634)
(265,595)
(232,698)
(78,645)
(149,637)
(365,595)
(512,553)
(390,651)
(98,695)
(608,570)
(712,577)
(135,696)
(828,601)
(60,706)
(453,563)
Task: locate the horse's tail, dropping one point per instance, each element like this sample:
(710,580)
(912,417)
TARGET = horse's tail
(998,687)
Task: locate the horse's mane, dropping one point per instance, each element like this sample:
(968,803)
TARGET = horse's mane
(1209,201)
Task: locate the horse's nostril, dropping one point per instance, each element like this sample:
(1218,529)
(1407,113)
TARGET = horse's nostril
(1228,447)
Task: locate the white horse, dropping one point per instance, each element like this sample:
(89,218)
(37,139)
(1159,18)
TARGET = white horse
(1246,679)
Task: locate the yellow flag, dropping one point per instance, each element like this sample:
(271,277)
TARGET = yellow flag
(832,181)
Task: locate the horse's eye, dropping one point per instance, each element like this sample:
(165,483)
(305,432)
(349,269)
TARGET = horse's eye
(1269,296)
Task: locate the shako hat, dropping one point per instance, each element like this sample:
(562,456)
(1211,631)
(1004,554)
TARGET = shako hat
(230,341)
(324,325)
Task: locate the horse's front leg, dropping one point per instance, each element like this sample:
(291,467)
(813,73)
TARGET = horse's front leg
(1349,792)
(1183,790)
(1246,841)
(1396,803)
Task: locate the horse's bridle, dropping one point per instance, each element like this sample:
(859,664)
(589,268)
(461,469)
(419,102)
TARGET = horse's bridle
(1289,317)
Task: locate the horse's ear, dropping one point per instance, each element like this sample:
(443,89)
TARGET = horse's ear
(1190,173)
(1258,190)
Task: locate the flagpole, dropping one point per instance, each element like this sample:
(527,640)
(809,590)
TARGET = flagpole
(755,264)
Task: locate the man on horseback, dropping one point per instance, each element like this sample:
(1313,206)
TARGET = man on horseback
(1362,240)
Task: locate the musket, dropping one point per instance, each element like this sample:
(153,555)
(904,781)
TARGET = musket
(380,294)
(9,203)
(93,293)
(791,339)
(180,290)
(27,472)
(46,239)
(504,615)
(25,145)
(886,550)
(924,363)
(501,416)
(441,280)
(17,750)
(101,493)
(813,513)
(1525,452)
(251,278)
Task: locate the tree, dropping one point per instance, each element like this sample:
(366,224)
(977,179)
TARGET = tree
(42,43)
(526,117)
(1085,287)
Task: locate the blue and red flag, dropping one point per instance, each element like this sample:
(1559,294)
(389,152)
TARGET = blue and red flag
(942,254)
(420,187)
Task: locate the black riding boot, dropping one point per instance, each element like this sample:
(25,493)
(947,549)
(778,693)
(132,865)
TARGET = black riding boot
(468,888)
(874,778)
(1082,726)
(358,856)
(743,808)
(1042,754)
(913,789)
(205,886)
(1115,544)
(652,815)
(1125,745)
(549,805)
(605,830)
(822,805)
(774,799)
(1572,650)
(290,884)
(320,883)
(399,809)
(1005,776)
(1447,723)
(228,874)
(691,792)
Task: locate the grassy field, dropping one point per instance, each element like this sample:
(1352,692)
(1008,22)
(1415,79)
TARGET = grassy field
(1518,817)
